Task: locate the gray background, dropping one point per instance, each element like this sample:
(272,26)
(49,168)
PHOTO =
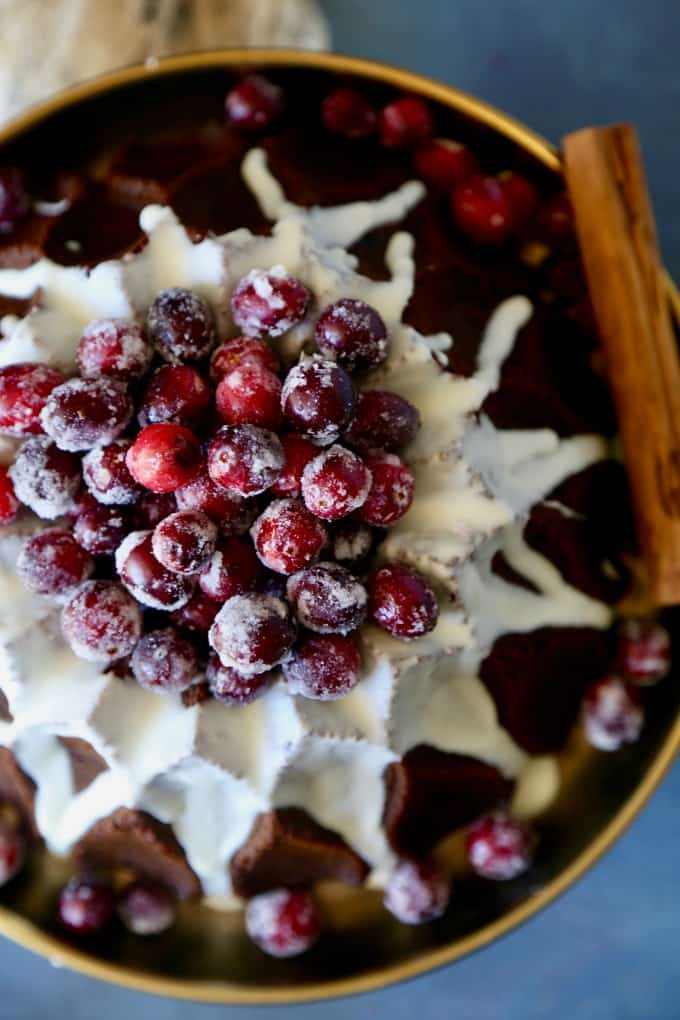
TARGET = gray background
(609,949)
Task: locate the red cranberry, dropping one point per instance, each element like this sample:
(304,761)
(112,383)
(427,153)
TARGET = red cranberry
(233,569)
(323,667)
(348,113)
(250,395)
(230,511)
(153,507)
(443,163)
(86,905)
(556,218)
(298,452)
(165,662)
(327,599)
(146,908)
(352,333)
(115,348)
(14,200)
(521,194)
(254,103)
(45,478)
(100,529)
(245,459)
(335,483)
(175,393)
(287,536)
(611,715)
(401,602)
(239,351)
(52,563)
(147,579)
(417,892)
(23,391)
(82,413)
(405,123)
(233,688)
(482,210)
(499,847)
(283,923)
(351,541)
(269,301)
(643,651)
(180,325)
(9,504)
(252,633)
(164,457)
(184,541)
(391,492)
(198,614)
(318,399)
(12,851)
(101,622)
(383,421)
(107,476)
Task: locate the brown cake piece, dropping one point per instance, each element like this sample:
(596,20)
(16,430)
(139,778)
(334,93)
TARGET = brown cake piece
(18,788)
(26,243)
(86,763)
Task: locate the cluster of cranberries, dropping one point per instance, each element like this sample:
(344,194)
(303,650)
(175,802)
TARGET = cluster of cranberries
(88,903)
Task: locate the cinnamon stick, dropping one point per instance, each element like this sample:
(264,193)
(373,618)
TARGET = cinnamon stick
(629,292)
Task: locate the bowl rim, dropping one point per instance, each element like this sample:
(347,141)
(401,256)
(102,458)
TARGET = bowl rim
(27,934)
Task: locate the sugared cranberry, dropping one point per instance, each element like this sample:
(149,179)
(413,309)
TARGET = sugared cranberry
(146,908)
(521,194)
(181,326)
(100,529)
(318,399)
(184,541)
(147,579)
(443,163)
(611,715)
(287,536)
(113,347)
(283,923)
(245,459)
(643,652)
(401,602)
(348,113)
(351,541)
(252,633)
(14,200)
(391,492)
(499,847)
(232,570)
(82,413)
(327,598)
(101,622)
(165,662)
(323,667)
(24,388)
(269,301)
(233,688)
(239,351)
(254,103)
(249,395)
(229,510)
(335,483)
(86,905)
(9,504)
(352,333)
(198,614)
(298,452)
(45,478)
(405,123)
(52,563)
(175,393)
(556,218)
(153,507)
(12,851)
(482,210)
(417,892)
(164,457)
(107,476)
(383,421)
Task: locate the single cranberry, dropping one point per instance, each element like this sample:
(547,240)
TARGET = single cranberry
(181,326)
(417,892)
(86,905)
(101,622)
(14,200)
(239,351)
(175,393)
(245,459)
(353,334)
(351,541)
(643,653)
(287,536)
(482,210)
(9,504)
(324,667)
(254,103)
(252,633)
(405,123)
(24,388)
(230,511)
(521,194)
(269,301)
(611,715)
(233,569)
(335,483)
(52,563)
(233,688)
(114,347)
(249,395)
(100,529)
(391,492)
(499,847)
(401,602)
(146,908)
(443,163)
(327,598)
(318,399)
(298,452)
(12,851)
(556,218)
(348,113)
(82,413)
(283,923)
(198,614)
(165,662)
(153,507)
(107,476)
(45,478)
(147,579)
(164,457)
(184,541)
(383,421)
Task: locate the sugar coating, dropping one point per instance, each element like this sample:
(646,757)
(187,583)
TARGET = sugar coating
(120,343)
(327,598)
(45,478)
(101,622)
(269,301)
(180,325)
(179,588)
(287,536)
(416,893)
(335,483)
(245,459)
(70,429)
(610,716)
(184,541)
(23,391)
(266,927)
(111,487)
(239,623)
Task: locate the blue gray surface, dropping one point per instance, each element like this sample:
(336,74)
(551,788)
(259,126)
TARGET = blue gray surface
(608,950)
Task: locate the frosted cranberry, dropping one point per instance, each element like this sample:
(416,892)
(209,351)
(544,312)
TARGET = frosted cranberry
(197,614)
(347,112)
(298,452)
(184,541)
(239,351)
(521,194)
(9,504)
(269,301)
(100,529)
(245,459)
(24,389)
(556,217)
(335,483)
(391,492)
(351,541)
(82,413)
(107,476)
(327,598)
(12,851)
(233,688)
(611,715)
(229,510)
(146,908)
(101,622)
(282,922)
(52,563)
(86,905)
(324,667)
(352,333)
(113,347)
(287,536)
(383,421)
(165,662)
(249,395)
(175,393)
(252,633)
(482,210)
(499,847)
(232,570)
(643,652)
(180,325)
(45,478)
(417,892)
(405,123)
(149,581)
(164,457)
(401,602)
(443,163)
(14,200)
(254,103)
(153,507)
(318,399)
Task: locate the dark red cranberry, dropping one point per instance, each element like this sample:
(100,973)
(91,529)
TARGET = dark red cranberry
(482,210)
(113,347)
(198,614)
(335,483)
(556,218)
(283,923)
(24,389)
(298,452)
(233,688)
(9,504)
(239,351)
(45,478)
(101,622)
(100,529)
(164,457)
(254,103)
(417,892)
(175,393)
(249,395)
(245,459)
(184,541)
(318,399)
(405,123)
(107,476)
(153,507)
(287,536)
(165,662)
(324,667)
(233,569)
(391,492)
(146,908)
(86,905)
(273,584)
(12,851)
(521,194)
(82,413)
(252,633)
(14,200)
(229,510)
(353,334)
(147,579)
(348,113)
(401,602)
(383,421)
(351,541)
(269,301)
(443,163)
(181,326)
(52,563)
(611,715)
(499,847)
(643,651)
(327,599)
